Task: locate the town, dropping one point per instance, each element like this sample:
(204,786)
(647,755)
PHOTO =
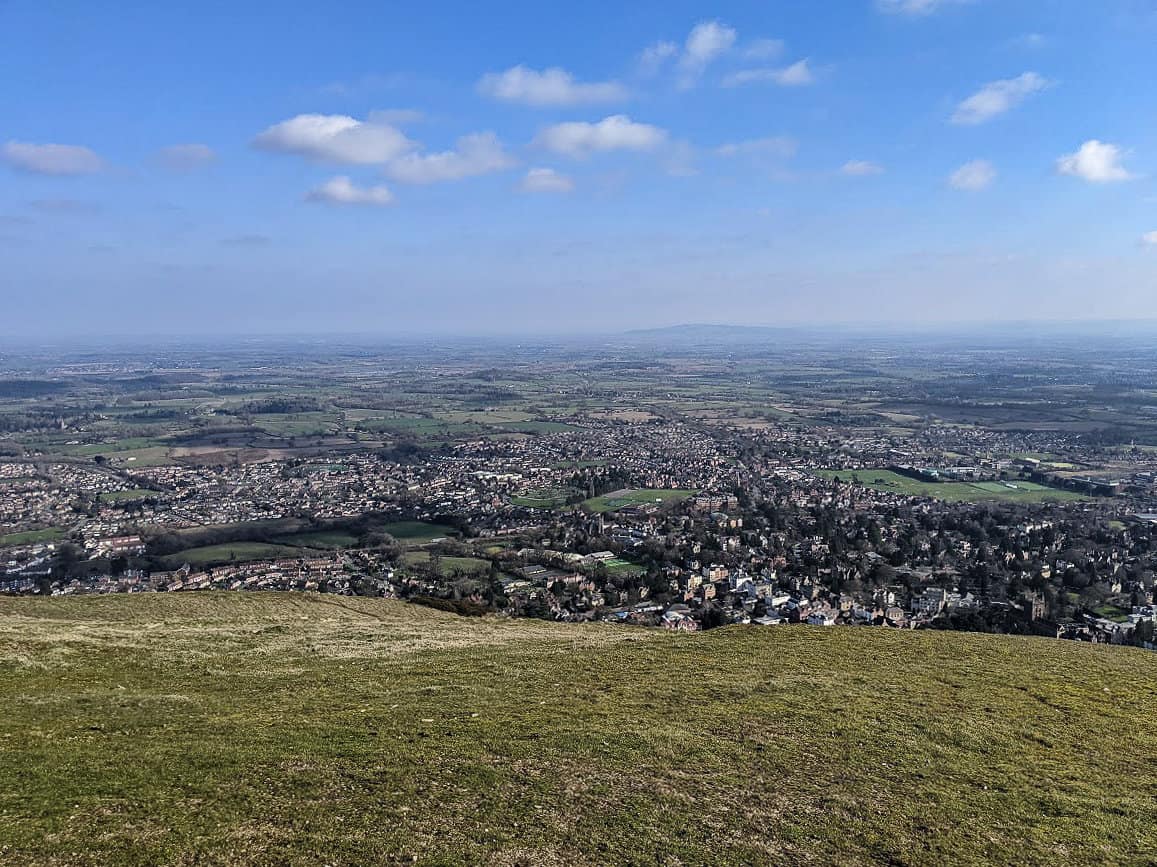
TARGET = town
(684,501)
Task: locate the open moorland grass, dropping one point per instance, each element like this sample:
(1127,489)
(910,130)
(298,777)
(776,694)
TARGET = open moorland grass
(622,499)
(302,729)
(956,492)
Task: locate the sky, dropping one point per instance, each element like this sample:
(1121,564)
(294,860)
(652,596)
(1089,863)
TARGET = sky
(458,167)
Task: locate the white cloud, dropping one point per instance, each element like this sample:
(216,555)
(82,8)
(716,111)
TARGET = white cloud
(707,41)
(51,159)
(617,132)
(997,97)
(1096,161)
(552,86)
(861,168)
(185,157)
(654,56)
(476,154)
(341,191)
(780,147)
(546,181)
(796,75)
(975,175)
(1149,239)
(764,49)
(915,7)
(335,138)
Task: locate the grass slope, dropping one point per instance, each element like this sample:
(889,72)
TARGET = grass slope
(301,729)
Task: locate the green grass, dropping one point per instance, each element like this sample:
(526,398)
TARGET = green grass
(417,532)
(126,496)
(609,502)
(1112,612)
(302,729)
(31,537)
(449,566)
(233,552)
(320,539)
(622,567)
(553,498)
(956,492)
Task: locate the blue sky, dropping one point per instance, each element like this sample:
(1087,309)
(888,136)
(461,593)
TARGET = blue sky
(221,167)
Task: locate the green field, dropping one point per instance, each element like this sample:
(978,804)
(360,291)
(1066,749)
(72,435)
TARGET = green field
(619,500)
(449,566)
(955,492)
(268,728)
(233,552)
(622,567)
(126,496)
(417,532)
(553,498)
(31,537)
(320,539)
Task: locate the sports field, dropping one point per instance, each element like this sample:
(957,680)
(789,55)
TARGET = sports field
(635,497)
(957,492)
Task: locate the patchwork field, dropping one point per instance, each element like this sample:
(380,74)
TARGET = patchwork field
(302,729)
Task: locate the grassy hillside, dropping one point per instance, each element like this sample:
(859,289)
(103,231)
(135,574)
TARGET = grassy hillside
(296,729)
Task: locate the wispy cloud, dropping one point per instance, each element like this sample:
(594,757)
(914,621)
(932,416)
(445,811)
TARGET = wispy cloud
(342,191)
(973,176)
(50,159)
(550,87)
(476,154)
(544,180)
(780,147)
(998,97)
(186,157)
(617,132)
(916,7)
(861,169)
(797,74)
(707,41)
